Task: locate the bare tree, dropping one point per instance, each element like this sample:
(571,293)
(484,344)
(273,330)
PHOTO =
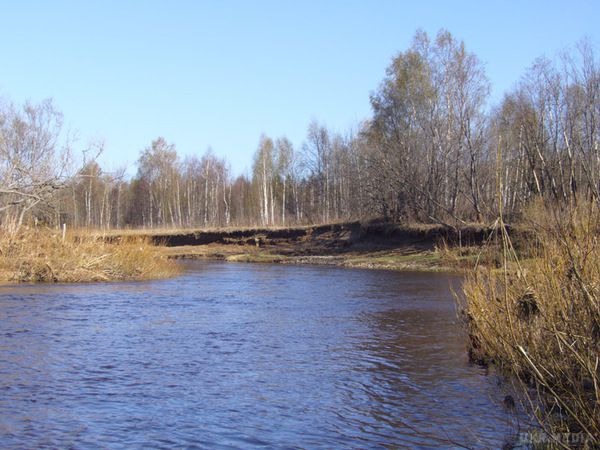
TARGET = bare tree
(35,158)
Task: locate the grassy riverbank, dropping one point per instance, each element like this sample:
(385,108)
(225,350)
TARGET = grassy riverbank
(391,259)
(43,255)
(373,245)
(538,320)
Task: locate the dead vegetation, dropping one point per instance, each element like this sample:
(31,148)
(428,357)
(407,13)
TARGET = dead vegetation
(538,319)
(43,255)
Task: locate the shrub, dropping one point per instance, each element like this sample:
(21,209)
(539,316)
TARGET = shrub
(539,319)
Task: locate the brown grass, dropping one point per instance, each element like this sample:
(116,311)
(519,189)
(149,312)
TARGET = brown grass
(539,320)
(42,255)
(405,226)
(190,230)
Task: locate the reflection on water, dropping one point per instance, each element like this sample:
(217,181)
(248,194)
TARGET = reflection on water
(241,356)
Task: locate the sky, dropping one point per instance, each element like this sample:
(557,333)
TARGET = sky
(221,73)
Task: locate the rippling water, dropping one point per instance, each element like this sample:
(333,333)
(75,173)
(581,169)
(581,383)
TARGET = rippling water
(242,356)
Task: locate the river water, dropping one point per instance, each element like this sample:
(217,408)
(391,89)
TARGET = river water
(243,356)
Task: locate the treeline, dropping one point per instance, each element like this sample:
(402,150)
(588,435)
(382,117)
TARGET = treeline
(434,150)
(321,182)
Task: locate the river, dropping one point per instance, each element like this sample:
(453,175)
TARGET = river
(243,356)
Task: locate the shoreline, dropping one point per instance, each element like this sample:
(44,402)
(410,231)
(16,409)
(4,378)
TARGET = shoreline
(397,260)
(371,245)
(42,255)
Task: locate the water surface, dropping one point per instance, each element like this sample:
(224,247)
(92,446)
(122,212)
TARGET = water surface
(243,356)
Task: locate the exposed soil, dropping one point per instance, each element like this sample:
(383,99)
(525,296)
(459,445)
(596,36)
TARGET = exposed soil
(377,245)
(329,237)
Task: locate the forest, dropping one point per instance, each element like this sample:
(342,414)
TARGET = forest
(434,151)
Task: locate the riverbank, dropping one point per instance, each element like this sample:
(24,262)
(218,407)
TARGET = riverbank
(538,320)
(371,245)
(46,255)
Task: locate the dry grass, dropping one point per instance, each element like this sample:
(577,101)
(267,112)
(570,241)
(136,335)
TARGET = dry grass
(192,230)
(257,258)
(469,257)
(41,255)
(540,321)
(424,261)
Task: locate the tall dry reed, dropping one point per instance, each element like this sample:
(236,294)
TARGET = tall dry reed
(44,255)
(538,319)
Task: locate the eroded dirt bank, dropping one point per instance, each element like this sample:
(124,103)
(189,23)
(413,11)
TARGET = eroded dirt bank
(353,244)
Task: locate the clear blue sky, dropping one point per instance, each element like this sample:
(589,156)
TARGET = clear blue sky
(220,73)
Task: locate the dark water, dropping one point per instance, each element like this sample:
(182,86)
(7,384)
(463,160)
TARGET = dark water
(243,356)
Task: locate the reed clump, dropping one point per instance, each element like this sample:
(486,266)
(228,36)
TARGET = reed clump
(45,255)
(538,320)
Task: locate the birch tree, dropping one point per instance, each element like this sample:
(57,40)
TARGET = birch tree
(35,159)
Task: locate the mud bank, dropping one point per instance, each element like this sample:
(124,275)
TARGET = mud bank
(376,245)
(340,235)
